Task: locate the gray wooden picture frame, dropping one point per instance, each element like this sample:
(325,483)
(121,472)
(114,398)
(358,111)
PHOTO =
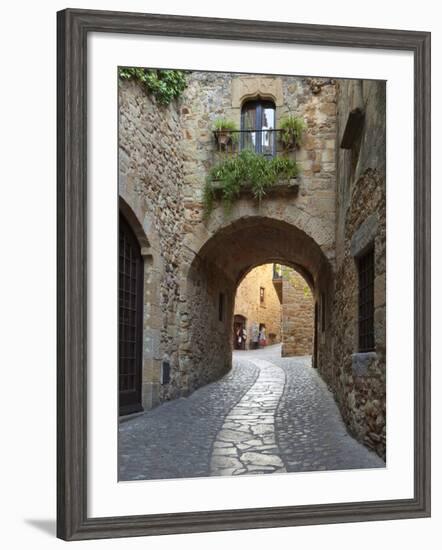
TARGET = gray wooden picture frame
(73,28)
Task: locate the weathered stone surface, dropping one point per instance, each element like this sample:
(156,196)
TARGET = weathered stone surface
(250,87)
(360,387)
(254,312)
(193,265)
(364,236)
(361,362)
(150,182)
(297,315)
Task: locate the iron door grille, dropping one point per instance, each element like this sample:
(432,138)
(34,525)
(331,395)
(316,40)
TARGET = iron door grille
(130,330)
(366,301)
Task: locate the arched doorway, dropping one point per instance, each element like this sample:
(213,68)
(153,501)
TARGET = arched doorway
(130,320)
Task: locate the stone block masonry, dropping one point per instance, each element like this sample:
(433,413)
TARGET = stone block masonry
(193,265)
(359,379)
(165,154)
(150,189)
(288,317)
(297,315)
(257,309)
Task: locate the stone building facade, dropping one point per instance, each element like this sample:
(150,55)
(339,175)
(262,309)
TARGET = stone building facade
(257,304)
(278,298)
(150,198)
(297,315)
(192,264)
(359,377)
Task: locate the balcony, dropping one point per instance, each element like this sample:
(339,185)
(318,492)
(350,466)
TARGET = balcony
(264,142)
(277,280)
(277,272)
(251,164)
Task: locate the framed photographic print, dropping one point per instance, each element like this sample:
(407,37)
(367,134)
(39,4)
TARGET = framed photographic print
(243,274)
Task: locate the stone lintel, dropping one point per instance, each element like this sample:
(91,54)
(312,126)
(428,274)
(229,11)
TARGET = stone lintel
(360,362)
(253,87)
(364,237)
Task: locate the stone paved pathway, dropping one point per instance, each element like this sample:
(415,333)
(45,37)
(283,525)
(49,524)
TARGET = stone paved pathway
(246,442)
(269,414)
(176,439)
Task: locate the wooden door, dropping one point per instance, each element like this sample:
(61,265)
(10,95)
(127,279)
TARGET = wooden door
(130,321)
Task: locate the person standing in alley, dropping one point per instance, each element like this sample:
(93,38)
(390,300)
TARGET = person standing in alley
(255,336)
(262,336)
(244,338)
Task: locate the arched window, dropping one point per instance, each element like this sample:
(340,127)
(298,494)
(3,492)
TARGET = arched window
(258,125)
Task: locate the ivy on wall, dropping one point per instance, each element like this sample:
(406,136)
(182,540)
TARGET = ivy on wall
(291,275)
(164,84)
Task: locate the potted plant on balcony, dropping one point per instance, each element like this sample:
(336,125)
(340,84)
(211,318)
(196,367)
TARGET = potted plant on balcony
(292,130)
(225,131)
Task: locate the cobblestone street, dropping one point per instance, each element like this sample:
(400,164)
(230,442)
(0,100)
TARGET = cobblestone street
(269,414)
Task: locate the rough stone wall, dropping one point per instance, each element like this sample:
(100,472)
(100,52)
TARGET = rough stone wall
(218,95)
(359,379)
(297,315)
(248,304)
(313,210)
(314,100)
(215,95)
(150,184)
(205,349)
(165,154)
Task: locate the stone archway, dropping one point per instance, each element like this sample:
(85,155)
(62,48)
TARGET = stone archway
(211,278)
(316,227)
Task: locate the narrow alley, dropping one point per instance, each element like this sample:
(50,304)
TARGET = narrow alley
(267,415)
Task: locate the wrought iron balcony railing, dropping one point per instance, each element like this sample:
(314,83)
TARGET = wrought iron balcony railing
(261,142)
(277,280)
(264,142)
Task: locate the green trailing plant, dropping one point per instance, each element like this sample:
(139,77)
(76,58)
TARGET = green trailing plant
(248,170)
(290,274)
(293,129)
(225,130)
(224,124)
(164,84)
